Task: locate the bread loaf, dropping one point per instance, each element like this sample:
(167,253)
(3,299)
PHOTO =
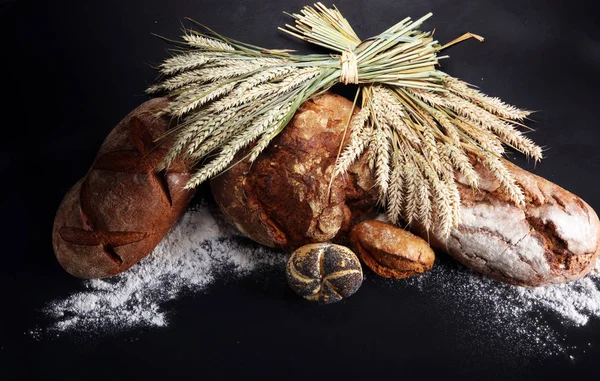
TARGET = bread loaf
(284,199)
(554,238)
(122,208)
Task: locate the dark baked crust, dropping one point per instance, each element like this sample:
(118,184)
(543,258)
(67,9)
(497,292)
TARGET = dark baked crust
(122,208)
(282,199)
(389,251)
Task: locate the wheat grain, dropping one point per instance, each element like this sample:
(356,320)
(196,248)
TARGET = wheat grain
(200,42)
(411,184)
(371,155)
(216,141)
(429,148)
(449,128)
(452,187)
(434,99)
(219,130)
(505,177)
(515,139)
(261,92)
(258,127)
(291,82)
(444,207)
(264,91)
(424,207)
(203,75)
(484,138)
(262,143)
(461,163)
(360,135)
(193,134)
(244,62)
(382,162)
(188,61)
(202,98)
(395,192)
(491,104)
(262,77)
(471,112)
(418,125)
(391,110)
(438,200)
(270,131)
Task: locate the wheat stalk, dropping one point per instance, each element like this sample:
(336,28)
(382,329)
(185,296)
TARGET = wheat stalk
(418,126)
(395,191)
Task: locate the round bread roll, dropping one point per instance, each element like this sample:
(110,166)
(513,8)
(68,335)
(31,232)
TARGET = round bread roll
(324,272)
(283,199)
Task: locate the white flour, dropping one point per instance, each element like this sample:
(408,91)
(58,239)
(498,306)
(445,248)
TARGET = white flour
(195,251)
(494,313)
(202,246)
(575,302)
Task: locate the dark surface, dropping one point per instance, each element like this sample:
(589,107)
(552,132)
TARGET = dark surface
(74,69)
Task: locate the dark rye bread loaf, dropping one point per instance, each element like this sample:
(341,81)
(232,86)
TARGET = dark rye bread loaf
(122,208)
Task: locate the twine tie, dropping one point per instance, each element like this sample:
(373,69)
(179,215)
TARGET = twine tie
(349,73)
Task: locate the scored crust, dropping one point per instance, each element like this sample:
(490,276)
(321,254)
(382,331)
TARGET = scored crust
(122,208)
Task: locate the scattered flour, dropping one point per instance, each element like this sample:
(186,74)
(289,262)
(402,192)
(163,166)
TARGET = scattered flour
(525,317)
(575,302)
(202,246)
(196,250)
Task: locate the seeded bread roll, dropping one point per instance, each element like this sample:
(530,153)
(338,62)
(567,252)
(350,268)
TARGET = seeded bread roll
(324,272)
(122,208)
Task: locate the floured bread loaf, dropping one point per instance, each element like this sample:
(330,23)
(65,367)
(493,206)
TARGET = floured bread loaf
(554,238)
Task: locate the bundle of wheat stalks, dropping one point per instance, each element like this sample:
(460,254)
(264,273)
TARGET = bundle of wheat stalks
(416,125)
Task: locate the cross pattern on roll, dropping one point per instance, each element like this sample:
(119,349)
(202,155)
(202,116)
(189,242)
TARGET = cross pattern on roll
(324,272)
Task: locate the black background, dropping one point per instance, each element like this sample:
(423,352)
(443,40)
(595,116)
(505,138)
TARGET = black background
(72,70)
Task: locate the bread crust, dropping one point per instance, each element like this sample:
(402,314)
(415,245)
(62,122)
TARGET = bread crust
(554,238)
(283,199)
(122,208)
(389,251)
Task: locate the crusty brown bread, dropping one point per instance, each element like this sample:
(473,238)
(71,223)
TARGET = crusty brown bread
(283,199)
(122,208)
(390,251)
(554,238)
